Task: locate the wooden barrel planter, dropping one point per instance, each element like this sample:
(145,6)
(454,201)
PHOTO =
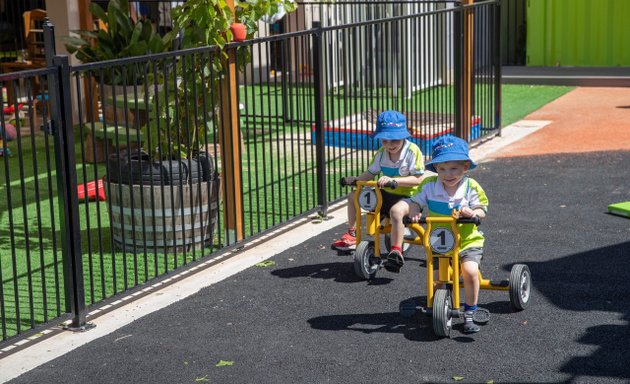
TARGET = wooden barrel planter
(167,214)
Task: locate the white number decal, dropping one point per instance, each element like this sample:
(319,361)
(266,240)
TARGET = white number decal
(442,240)
(367,199)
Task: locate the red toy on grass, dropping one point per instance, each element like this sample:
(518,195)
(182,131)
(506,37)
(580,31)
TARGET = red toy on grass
(92,190)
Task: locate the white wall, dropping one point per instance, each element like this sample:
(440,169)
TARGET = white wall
(64,15)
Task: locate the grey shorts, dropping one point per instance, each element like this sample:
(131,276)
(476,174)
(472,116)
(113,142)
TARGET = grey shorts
(471,254)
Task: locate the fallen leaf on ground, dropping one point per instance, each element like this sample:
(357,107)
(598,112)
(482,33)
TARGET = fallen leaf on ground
(458,378)
(266,263)
(224,363)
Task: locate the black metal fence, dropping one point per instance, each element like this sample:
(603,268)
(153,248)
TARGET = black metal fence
(96,205)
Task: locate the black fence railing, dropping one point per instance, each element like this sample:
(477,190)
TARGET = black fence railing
(118,173)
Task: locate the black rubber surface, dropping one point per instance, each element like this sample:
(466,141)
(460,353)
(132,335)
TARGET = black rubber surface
(309,319)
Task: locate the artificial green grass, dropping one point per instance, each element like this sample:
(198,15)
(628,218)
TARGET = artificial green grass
(518,101)
(273,147)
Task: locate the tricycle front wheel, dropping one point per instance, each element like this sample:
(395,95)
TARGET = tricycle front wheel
(442,313)
(520,286)
(366,263)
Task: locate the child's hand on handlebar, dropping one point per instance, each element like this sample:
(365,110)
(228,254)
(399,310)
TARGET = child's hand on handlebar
(385,181)
(349,180)
(467,212)
(414,212)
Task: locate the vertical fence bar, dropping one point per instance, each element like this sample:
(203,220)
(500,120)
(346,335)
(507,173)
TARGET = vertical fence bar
(319,119)
(496,43)
(458,21)
(61,120)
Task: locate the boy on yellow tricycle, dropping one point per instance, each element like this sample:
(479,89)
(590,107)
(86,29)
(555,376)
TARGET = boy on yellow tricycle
(453,205)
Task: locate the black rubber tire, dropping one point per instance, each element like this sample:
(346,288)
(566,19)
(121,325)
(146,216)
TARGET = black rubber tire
(366,263)
(442,313)
(520,286)
(136,167)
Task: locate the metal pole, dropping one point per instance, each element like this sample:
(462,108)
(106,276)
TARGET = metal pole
(468,69)
(318,79)
(458,22)
(497,66)
(61,129)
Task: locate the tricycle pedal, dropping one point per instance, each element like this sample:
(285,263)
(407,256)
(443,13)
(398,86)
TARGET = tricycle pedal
(457,313)
(500,283)
(481,316)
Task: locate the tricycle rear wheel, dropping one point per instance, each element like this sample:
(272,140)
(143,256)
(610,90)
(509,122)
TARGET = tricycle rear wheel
(520,286)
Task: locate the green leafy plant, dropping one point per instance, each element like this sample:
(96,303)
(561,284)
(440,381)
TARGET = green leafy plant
(120,37)
(186,113)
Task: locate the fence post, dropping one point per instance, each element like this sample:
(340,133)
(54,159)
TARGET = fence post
(468,67)
(231,152)
(62,131)
(497,66)
(458,55)
(318,80)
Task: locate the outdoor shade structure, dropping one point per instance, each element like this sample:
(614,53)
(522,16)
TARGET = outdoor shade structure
(260,151)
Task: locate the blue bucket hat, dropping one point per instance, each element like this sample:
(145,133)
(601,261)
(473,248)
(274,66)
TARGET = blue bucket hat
(449,148)
(391,125)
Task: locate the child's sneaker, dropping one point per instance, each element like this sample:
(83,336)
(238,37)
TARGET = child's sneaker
(347,242)
(469,323)
(395,261)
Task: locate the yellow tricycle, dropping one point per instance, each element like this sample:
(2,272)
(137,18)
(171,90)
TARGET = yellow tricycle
(368,199)
(440,238)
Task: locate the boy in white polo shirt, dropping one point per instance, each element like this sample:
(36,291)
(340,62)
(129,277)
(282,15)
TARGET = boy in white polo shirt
(453,189)
(397,159)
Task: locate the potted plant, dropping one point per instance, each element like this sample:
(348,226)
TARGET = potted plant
(173,157)
(132,176)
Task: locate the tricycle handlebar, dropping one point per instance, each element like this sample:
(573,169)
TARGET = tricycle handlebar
(393,184)
(462,220)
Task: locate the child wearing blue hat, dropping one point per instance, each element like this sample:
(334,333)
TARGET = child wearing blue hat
(397,158)
(453,189)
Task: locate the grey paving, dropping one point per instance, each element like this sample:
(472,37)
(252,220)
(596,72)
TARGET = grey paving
(308,319)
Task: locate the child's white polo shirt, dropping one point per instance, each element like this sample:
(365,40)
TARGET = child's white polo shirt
(435,201)
(410,163)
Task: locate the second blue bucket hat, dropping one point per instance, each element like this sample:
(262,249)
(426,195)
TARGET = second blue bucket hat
(391,125)
(449,148)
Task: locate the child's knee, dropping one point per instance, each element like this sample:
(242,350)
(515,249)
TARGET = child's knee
(399,210)
(470,268)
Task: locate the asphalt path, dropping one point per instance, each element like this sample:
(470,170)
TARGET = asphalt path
(309,319)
